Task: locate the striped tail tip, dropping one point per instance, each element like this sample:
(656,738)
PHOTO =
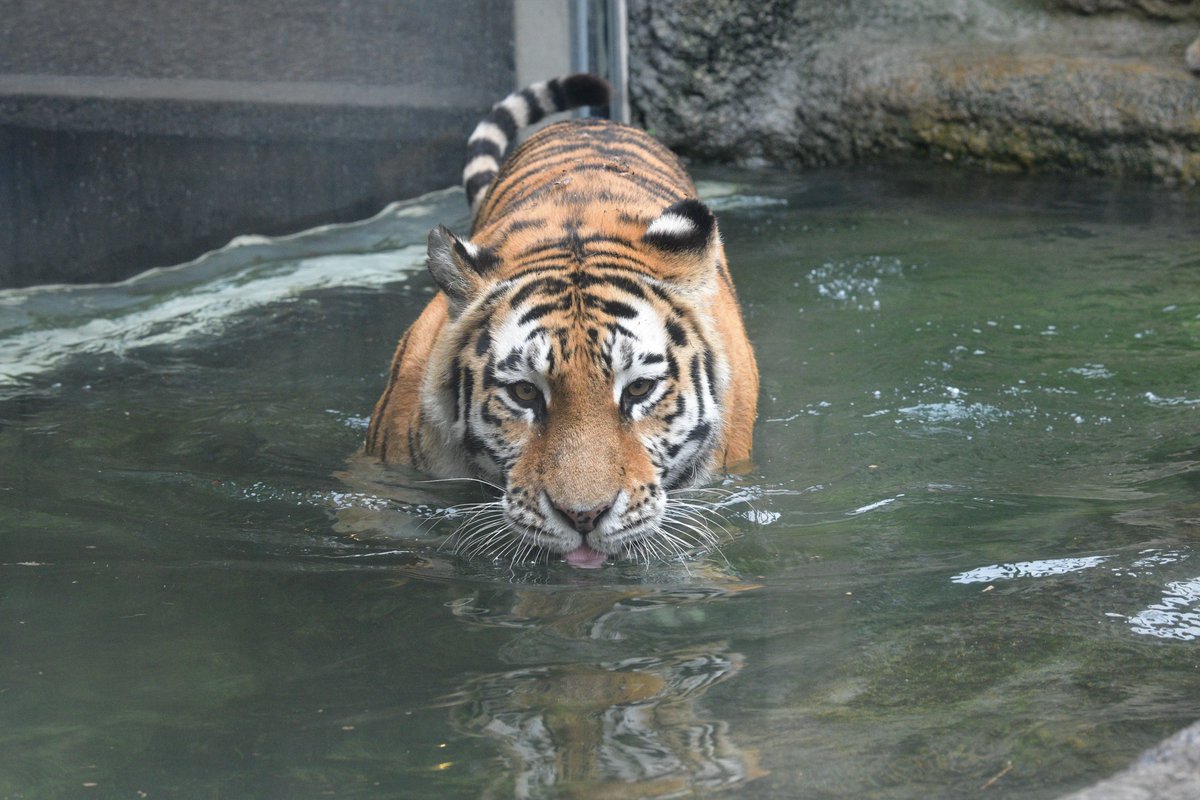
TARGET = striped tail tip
(491,138)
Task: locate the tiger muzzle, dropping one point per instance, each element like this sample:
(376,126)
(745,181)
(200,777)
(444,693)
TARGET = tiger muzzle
(583,521)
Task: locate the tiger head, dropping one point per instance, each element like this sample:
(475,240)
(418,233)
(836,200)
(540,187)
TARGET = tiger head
(582,372)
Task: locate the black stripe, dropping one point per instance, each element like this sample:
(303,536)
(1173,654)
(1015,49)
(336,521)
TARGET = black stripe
(485,413)
(468,384)
(536,112)
(677,334)
(630,256)
(583,89)
(477,183)
(484,147)
(694,374)
(475,446)
(575,244)
(552,260)
(453,386)
(541,247)
(511,360)
(617,327)
(524,225)
(557,95)
(680,407)
(415,449)
(632,266)
(710,372)
(627,285)
(699,433)
(547,284)
(615,308)
(485,260)
(541,310)
(534,270)
(489,374)
(503,119)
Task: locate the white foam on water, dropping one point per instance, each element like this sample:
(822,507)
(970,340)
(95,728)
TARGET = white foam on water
(729,202)
(1092,371)
(41,327)
(855,284)
(204,308)
(1155,400)
(953,411)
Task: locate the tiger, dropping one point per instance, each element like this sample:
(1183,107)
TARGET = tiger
(585,353)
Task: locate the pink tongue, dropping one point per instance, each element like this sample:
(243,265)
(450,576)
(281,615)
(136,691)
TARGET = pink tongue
(585,558)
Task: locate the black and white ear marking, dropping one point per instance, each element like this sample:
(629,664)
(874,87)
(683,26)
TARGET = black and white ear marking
(685,227)
(481,259)
(457,265)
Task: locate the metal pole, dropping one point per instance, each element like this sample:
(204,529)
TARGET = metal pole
(618,60)
(580,35)
(599,43)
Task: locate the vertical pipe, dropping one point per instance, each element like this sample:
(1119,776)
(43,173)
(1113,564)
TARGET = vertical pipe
(580,35)
(600,43)
(618,59)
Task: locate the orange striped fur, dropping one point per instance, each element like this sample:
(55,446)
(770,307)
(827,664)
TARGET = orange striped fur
(586,353)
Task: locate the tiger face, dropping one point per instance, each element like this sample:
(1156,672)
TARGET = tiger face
(585,384)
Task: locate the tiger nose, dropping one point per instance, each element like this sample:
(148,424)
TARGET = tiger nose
(583,521)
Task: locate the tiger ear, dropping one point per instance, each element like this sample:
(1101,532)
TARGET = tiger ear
(458,267)
(686,235)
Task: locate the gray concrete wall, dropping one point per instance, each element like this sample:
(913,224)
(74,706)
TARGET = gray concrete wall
(139,133)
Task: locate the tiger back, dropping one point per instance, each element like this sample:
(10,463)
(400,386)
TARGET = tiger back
(586,352)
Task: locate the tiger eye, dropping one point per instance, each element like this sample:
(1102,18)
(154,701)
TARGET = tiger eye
(639,388)
(524,392)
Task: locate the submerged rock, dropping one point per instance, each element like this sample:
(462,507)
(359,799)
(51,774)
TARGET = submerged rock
(1168,771)
(1094,86)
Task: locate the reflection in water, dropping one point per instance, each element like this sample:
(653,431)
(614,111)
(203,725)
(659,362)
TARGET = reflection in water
(1028,569)
(1175,616)
(628,727)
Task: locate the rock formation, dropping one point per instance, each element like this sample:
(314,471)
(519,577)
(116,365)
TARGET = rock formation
(1082,86)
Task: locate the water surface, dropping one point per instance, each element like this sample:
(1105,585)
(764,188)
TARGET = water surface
(966,555)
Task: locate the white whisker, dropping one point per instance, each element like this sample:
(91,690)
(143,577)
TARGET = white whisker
(470,480)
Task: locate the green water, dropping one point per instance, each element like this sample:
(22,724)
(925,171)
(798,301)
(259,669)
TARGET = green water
(968,556)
